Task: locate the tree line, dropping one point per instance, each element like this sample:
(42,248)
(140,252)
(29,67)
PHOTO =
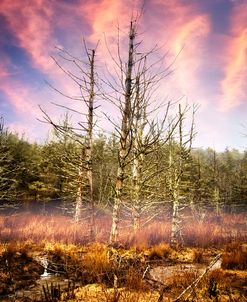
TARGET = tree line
(37,172)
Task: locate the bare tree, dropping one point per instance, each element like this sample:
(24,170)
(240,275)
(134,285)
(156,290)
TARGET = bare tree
(149,135)
(140,129)
(216,189)
(83,132)
(179,153)
(125,134)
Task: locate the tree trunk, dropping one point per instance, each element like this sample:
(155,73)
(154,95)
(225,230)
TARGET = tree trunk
(138,157)
(176,228)
(89,147)
(78,202)
(86,188)
(124,136)
(136,207)
(137,180)
(177,164)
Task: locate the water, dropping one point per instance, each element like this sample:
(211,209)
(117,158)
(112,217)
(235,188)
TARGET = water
(44,262)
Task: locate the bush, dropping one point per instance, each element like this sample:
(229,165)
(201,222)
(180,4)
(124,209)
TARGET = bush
(236,259)
(160,251)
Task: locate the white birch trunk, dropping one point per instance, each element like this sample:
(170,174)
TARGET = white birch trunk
(178,170)
(137,167)
(78,202)
(176,228)
(86,187)
(89,148)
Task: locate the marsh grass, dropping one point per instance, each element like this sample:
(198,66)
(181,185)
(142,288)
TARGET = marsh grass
(96,293)
(26,226)
(236,260)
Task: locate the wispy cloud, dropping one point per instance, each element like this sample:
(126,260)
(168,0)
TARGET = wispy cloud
(3,70)
(233,85)
(105,15)
(183,30)
(31,23)
(20,97)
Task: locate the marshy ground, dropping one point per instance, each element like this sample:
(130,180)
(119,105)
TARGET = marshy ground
(50,258)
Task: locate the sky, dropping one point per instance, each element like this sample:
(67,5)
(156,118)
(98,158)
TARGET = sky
(206,38)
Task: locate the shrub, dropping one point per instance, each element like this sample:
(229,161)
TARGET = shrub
(134,281)
(160,251)
(236,259)
(197,256)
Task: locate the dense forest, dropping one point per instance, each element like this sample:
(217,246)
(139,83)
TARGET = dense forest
(33,173)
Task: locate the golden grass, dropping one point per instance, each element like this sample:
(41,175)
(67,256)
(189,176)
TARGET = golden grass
(96,293)
(235,260)
(197,255)
(97,260)
(160,251)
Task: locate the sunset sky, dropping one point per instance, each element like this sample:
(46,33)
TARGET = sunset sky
(211,69)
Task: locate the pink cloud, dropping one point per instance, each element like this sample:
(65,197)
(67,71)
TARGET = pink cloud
(3,72)
(190,38)
(24,102)
(104,16)
(183,31)
(233,86)
(109,21)
(20,97)
(4,67)
(184,28)
(31,22)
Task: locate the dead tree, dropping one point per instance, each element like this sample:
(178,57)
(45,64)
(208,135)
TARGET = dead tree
(83,132)
(149,135)
(139,122)
(139,130)
(216,190)
(125,134)
(87,151)
(89,142)
(179,153)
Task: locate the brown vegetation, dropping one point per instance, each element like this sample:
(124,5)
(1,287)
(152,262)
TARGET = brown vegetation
(103,273)
(235,257)
(210,232)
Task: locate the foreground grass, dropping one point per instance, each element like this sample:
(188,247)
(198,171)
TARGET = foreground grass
(97,272)
(101,273)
